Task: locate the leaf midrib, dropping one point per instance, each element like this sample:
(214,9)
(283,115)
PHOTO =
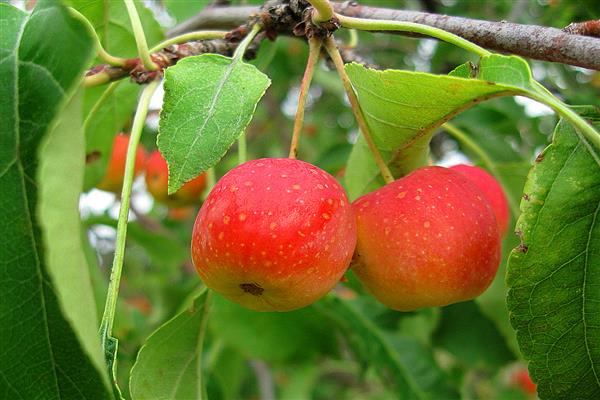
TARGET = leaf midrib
(211,110)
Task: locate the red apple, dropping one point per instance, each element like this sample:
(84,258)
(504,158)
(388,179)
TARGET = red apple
(157,178)
(113,178)
(521,379)
(428,239)
(274,234)
(181,213)
(491,189)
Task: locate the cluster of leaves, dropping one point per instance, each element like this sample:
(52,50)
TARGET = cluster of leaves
(345,346)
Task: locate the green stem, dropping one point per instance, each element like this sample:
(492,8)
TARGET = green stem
(547,98)
(200,343)
(334,53)
(210,182)
(241,49)
(115,276)
(242,149)
(486,160)
(102,53)
(237,57)
(353,41)
(140,38)
(186,37)
(386,25)
(324,10)
(313,57)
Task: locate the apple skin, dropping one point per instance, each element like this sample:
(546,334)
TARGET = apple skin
(428,239)
(274,234)
(157,180)
(521,379)
(113,178)
(491,189)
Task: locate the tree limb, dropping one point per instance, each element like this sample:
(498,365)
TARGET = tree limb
(531,41)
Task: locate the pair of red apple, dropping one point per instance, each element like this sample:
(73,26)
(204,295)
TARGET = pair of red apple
(156,177)
(278,234)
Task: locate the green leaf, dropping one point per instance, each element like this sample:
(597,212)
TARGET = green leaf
(60,178)
(553,275)
(403,109)
(45,331)
(168,364)
(302,381)
(271,336)
(111,22)
(107,110)
(204,113)
(466,333)
(401,361)
(184,9)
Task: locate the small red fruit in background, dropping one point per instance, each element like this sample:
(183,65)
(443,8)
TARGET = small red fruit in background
(113,178)
(521,379)
(428,239)
(181,213)
(157,180)
(274,235)
(491,189)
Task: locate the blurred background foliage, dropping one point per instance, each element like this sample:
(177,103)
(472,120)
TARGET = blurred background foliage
(466,350)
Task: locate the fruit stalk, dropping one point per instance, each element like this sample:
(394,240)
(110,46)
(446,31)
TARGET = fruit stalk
(237,56)
(324,10)
(313,57)
(334,53)
(140,38)
(115,276)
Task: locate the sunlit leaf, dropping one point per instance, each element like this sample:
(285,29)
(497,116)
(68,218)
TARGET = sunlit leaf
(403,109)
(204,113)
(553,277)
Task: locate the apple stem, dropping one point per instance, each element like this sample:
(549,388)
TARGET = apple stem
(117,267)
(242,149)
(336,57)
(140,37)
(210,182)
(323,10)
(314,51)
(238,54)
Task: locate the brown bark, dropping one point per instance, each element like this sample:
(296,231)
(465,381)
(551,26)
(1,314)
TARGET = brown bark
(531,41)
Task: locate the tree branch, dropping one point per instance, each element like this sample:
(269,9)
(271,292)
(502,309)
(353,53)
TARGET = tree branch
(531,41)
